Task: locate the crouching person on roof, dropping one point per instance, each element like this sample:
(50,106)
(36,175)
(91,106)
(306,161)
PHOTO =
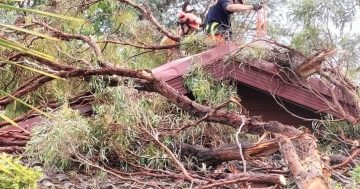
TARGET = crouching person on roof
(188,23)
(217,22)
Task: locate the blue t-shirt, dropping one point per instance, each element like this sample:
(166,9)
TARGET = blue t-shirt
(218,13)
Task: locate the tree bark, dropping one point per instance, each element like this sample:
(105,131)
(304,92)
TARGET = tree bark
(305,166)
(271,179)
(228,152)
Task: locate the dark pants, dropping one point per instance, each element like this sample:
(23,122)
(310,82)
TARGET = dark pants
(214,28)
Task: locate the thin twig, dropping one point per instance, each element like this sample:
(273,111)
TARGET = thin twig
(147,14)
(204,117)
(239,144)
(83,160)
(172,156)
(353,156)
(152,47)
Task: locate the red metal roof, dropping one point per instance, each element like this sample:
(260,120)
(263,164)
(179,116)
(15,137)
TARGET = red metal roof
(265,76)
(11,135)
(179,67)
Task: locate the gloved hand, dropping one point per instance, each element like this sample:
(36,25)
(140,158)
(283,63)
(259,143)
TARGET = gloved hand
(257,6)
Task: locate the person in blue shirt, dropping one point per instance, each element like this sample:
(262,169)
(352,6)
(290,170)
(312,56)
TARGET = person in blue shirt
(217,21)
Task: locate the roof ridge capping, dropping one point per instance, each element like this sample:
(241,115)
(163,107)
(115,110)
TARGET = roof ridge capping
(179,67)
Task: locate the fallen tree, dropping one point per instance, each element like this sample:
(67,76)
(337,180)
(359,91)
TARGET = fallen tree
(297,147)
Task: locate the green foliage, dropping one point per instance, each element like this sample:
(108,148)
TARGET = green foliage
(102,16)
(355,175)
(193,44)
(306,11)
(14,175)
(352,56)
(113,54)
(205,88)
(252,52)
(315,24)
(56,140)
(338,186)
(20,48)
(308,40)
(154,157)
(355,180)
(124,116)
(16,109)
(48,14)
(323,12)
(330,133)
(145,61)
(98,83)
(113,107)
(61,91)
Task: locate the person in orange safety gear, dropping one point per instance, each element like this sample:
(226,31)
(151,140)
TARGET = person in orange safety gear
(188,23)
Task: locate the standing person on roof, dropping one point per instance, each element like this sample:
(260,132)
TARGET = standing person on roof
(217,21)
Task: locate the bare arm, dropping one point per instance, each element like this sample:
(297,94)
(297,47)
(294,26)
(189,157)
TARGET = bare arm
(238,7)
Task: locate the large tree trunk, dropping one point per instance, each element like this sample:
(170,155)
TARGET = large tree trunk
(304,161)
(228,152)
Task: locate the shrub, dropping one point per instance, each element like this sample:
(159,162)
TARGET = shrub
(55,141)
(13,175)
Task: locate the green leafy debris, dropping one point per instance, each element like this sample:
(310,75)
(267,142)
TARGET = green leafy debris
(14,175)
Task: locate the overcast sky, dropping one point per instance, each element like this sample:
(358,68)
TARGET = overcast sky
(356,24)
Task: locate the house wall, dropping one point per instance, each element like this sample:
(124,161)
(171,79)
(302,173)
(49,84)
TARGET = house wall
(260,103)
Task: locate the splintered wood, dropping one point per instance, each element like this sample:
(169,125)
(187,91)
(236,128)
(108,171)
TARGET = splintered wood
(261,22)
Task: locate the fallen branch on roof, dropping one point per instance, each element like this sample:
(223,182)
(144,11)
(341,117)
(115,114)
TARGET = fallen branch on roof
(313,64)
(299,165)
(301,65)
(151,47)
(344,86)
(157,85)
(295,69)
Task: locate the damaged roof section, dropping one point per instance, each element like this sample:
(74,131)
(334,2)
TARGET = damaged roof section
(282,83)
